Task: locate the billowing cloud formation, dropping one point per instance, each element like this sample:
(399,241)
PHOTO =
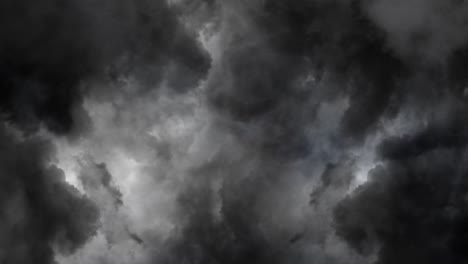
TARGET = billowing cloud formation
(413,207)
(50,47)
(39,212)
(51,53)
(260,131)
(274,50)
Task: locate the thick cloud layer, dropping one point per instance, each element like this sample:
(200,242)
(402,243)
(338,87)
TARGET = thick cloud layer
(49,48)
(51,53)
(284,44)
(269,82)
(251,131)
(40,212)
(413,207)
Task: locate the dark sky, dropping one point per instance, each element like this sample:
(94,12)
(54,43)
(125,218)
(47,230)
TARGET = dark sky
(233,131)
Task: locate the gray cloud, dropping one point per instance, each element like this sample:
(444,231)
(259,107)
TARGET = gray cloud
(40,212)
(318,131)
(51,47)
(428,31)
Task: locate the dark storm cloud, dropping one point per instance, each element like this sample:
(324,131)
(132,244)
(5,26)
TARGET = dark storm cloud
(50,47)
(98,184)
(49,51)
(412,208)
(265,69)
(245,211)
(267,88)
(249,195)
(226,225)
(39,211)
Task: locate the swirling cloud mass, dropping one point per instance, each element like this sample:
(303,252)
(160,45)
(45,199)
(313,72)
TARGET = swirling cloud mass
(233,131)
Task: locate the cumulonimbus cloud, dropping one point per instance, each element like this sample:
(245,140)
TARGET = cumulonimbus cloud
(204,131)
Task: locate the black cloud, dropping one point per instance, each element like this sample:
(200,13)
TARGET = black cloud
(50,51)
(264,70)
(39,211)
(49,48)
(279,65)
(413,209)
